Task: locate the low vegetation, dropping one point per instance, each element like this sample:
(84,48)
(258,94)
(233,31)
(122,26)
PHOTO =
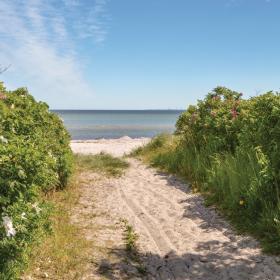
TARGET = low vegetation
(66,252)
(103,163)
(229,148)
(130,239)
(35,159)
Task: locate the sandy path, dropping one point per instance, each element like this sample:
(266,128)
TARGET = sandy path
(108,257)
(178,237)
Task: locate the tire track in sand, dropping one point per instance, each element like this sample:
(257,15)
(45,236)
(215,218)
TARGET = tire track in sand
(150,224)
(162,268)
(192,242)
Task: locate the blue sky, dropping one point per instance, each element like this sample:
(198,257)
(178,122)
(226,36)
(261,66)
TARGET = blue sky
(138,54)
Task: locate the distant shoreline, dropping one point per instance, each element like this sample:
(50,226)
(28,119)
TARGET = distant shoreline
(98,124)
(117,110)
(122,138)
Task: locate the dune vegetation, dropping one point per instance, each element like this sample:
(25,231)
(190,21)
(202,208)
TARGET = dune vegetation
(101,163)
(66,252)
(229,149)
(39,184)
(35,159)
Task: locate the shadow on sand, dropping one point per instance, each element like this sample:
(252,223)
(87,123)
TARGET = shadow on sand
(188,266)
(212,260)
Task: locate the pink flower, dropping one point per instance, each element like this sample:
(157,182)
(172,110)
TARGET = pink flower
(234,113)
(216,97)
(2,96)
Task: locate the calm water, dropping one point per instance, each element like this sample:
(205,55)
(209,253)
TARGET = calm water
(95,124)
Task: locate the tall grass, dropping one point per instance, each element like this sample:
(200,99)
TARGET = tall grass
(237,183)
(229,149)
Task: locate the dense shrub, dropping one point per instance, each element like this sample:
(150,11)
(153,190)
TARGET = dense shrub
(215,120)
(34,158)
(230,149)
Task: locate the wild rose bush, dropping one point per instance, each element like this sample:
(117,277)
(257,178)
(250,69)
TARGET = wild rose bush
(224,122)
(229,148)
(34,158)
(214,121)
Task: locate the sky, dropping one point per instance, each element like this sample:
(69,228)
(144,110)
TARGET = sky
(138,54)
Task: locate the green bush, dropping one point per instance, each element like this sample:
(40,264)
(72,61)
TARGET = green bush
(229,148)
(35,158)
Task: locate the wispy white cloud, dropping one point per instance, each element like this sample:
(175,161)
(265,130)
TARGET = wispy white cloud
(95,24)
(39,38)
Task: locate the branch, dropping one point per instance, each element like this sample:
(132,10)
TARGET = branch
(3,69)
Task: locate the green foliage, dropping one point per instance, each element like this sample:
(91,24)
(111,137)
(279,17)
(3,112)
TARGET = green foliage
(230,149)
(130,238)
(34,158)
(155,144)
(65,253)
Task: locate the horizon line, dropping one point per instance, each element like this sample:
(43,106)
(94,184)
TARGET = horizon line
(117,109)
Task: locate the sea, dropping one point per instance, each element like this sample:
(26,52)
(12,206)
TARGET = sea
(110,124)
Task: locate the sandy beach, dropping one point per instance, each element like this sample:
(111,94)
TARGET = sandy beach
(116,147)
(178,237)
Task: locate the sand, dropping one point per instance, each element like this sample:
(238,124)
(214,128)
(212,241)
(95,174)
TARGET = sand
(179,238)
(116,147)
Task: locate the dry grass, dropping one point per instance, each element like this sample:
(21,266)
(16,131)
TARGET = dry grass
(65,254)
(59,256)
(102,163)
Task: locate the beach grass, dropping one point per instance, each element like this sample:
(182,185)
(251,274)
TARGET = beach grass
(104,163)
(65,253)
(233,183)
